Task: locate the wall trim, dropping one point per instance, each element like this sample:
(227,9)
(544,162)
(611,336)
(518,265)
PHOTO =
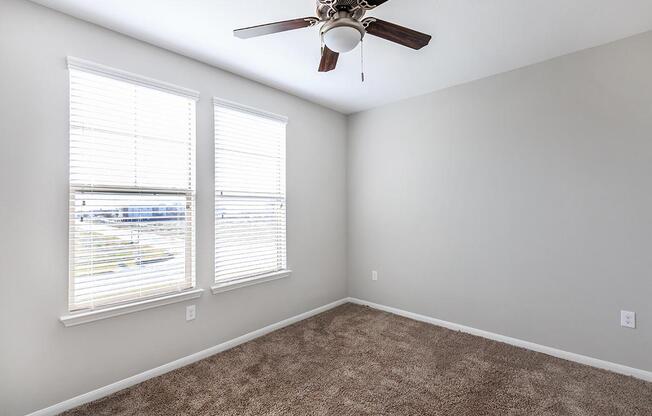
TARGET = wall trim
(181,362)
(565,355)
(124,76)
(84,317)
(237,284)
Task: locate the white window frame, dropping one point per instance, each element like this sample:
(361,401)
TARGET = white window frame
(76,317)
(221,286)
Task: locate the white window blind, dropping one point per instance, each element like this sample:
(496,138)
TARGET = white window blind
(132,187)
(250,232)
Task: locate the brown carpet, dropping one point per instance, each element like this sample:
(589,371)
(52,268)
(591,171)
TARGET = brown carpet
(353,360)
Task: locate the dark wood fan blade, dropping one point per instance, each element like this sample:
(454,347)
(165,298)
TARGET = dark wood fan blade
(268,29)
(376,3)
(398,34)
(328,60)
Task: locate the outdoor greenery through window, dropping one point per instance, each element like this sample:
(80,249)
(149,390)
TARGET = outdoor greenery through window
(250,232)
(132,187)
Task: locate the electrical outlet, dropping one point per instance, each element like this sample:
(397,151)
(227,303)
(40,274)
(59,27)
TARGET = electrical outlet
(628,319)
(191,312)
(374,275)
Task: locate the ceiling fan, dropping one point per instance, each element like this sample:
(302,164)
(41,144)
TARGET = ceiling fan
(343,28)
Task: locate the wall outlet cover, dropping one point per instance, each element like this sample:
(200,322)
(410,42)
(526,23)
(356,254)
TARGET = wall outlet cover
(191,312)
(628,319)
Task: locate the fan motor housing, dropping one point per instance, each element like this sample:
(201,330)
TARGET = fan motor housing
(343,19)
(328,9)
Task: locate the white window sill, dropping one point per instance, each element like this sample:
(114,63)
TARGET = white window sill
(237,284)
(96,315)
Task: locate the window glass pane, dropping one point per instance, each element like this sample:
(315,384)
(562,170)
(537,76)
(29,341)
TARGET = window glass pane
(127,135)
(128,244)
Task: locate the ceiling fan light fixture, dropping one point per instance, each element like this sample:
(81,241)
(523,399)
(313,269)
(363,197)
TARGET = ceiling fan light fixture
(343,34)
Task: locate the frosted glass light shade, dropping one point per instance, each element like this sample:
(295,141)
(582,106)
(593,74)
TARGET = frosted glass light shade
(342,39)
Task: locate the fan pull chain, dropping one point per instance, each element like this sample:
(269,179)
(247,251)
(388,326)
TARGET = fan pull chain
(362,59)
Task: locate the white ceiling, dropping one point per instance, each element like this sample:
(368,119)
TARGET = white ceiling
(472,39)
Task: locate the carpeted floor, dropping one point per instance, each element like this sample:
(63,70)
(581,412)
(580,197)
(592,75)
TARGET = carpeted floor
(353,360)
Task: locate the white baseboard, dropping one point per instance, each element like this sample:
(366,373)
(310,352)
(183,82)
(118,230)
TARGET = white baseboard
(582,359)
(181,362)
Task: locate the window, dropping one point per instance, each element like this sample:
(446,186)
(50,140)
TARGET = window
(132,187)
(250,241)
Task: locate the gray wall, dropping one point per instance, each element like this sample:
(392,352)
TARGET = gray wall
(41,362)
(520,204)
